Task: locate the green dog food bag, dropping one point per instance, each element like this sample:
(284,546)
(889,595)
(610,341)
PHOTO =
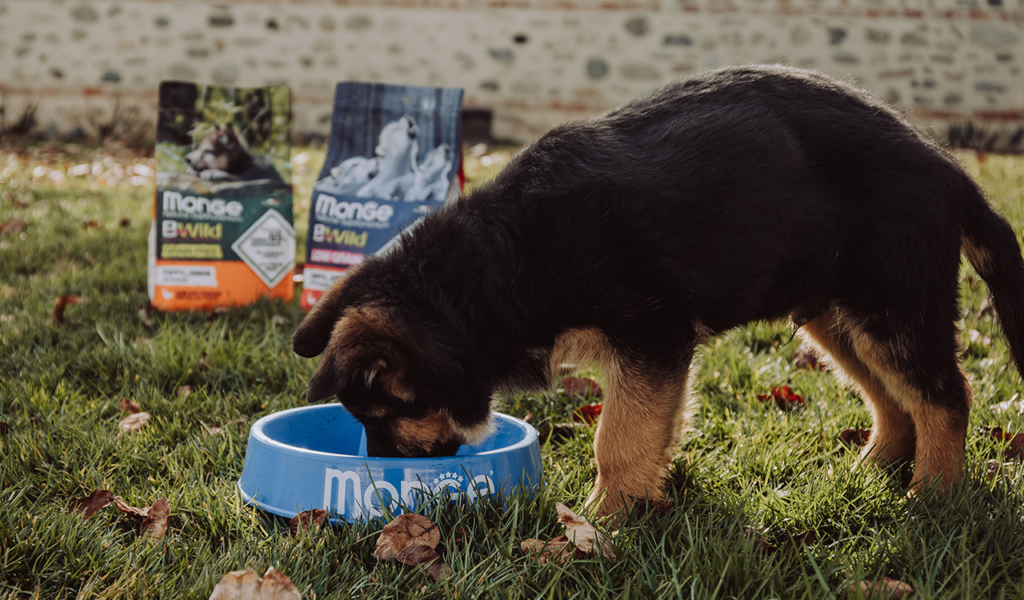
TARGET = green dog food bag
(222,230)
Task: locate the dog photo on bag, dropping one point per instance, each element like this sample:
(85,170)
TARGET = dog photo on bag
(632,238)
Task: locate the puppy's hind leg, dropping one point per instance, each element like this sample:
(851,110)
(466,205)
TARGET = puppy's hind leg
(893,436)
(912,364)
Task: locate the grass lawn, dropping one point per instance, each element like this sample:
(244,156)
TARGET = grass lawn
(750,475)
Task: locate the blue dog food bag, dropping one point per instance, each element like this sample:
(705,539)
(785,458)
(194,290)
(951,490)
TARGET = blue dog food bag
(394,155)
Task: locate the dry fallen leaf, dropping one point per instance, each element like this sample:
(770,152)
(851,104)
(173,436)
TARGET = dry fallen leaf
(123,506)
(417,554)
(129,406)
(133,422)
(91,503)
(62,304)
(412,539)
(308,520)
(582,386)
(125,222)
(582,534)
(155,525)
(886,588)
(184,391)
(246,585)
(556,550)
(405,529)
(90,224)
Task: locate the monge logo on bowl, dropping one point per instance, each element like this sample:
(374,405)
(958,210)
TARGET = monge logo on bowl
(346,494)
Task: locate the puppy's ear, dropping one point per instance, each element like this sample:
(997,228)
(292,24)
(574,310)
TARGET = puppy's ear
(311,338)
(326,381)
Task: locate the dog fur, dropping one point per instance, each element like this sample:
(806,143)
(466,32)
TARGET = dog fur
(742,194)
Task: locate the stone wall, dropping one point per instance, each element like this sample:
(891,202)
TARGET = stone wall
(956,64)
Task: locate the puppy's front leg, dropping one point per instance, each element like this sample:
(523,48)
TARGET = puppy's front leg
(641,422)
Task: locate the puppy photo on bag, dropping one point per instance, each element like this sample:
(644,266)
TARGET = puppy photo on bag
(632,238)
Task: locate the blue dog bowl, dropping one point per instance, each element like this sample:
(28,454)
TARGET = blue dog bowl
(314,457)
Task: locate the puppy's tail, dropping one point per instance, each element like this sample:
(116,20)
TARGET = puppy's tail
(991,246)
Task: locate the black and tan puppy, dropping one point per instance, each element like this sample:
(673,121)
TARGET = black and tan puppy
(744,194)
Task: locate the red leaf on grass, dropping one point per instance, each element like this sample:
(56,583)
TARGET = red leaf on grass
(155,525)
(587,414)
(12,227)
(91,503)
(783,396)
(308,519)
(62,304)
(1016,449)
(855,437)
(582,386)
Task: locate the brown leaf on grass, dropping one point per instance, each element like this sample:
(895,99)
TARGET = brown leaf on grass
(422,555)
(62,304)
(5,428)
(556,550)
(582,534)
(412,539)
(125,222)
(123,506)
(806,358)
(855,437)
(784,397)
(308,519)
(91,503)
(155,524)
(588,414)
(90,224)
(129,406)
(133,422)
(582,386)
(12,227)
(405,529)
(246,585)
(889,589)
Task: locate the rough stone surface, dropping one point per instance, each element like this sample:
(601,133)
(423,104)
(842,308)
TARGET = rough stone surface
(954,64)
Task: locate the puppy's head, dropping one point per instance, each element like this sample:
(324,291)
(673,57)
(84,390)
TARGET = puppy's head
(409,392)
